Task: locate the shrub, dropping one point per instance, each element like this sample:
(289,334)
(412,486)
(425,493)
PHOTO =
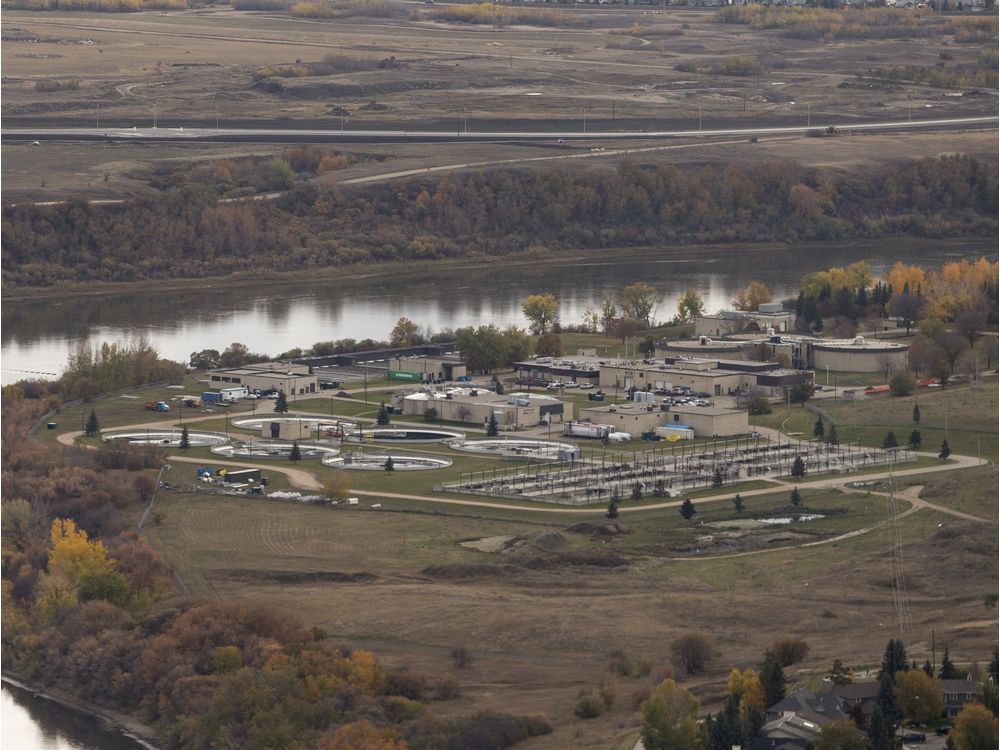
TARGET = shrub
(760,405)
(788,651)
(691,652)
(48,85)
(902,384)
(590,704)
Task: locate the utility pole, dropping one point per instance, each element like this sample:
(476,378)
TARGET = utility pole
(154,117)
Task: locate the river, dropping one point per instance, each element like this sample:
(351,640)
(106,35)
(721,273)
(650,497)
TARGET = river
(271,317)
(33,723)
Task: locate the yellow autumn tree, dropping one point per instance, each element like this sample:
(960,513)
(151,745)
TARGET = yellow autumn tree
(750,298)
(84,563)
(903,274)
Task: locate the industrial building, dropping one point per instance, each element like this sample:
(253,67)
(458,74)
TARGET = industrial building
(476,405)
(768,315)
(581,369)
(427,369)
(856,354)
(293,379)
(637,418)
(717,377)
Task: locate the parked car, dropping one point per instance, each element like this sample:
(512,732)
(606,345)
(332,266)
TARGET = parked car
(914,737)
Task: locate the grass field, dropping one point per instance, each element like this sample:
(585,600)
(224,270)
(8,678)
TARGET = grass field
(538,634)
(967,415)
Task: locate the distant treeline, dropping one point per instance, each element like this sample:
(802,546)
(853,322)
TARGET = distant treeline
(186,233)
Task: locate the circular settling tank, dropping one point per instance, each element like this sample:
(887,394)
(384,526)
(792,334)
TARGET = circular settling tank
(270,449)
(543,449)
(321,426)
(406,435)
(169,438)
(377,462)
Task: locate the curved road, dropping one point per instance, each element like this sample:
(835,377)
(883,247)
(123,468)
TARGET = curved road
(297,135)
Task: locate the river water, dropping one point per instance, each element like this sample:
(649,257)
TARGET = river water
(274,317)
(30,723)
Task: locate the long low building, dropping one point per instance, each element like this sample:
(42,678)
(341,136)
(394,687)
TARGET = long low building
(637,418)
(293,379)
(717,377)
(476,405)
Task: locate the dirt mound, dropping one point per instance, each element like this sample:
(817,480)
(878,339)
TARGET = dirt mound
(598,529)
(300,576)
(458,571)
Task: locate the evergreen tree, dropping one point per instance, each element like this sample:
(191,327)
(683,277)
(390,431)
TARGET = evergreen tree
(832,437)
(687,509)
(389,466)
(637,491)
(382,418)
(724,730)
(659,489)
(893,660)
(492,428)
(772,677)
(928,668)
(738,503)
(948,670)
(945,450)
(916,414)
(185,439)
(993,670)
(796,497)
(798,467)
(612,510)
(818,430)
(886,701)
(880,731)
(889,441)
(296,452)
(717,480)
(93,426)
(839,674)
(281,403)
(915,439)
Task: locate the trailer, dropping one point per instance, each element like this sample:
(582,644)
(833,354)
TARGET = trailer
(234,394)
(587,430)
(211,397)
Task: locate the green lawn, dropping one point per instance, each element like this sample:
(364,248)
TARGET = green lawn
(969,414)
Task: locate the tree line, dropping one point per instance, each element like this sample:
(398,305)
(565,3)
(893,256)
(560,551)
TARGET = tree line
(187,233)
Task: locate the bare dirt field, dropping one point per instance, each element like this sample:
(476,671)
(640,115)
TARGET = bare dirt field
(623,69)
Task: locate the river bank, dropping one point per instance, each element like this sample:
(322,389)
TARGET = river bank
(532,258)
(112,721)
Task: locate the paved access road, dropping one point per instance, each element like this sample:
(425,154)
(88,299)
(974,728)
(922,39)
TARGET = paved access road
(300,135)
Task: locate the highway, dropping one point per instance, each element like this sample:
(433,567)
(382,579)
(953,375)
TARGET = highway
(297,135)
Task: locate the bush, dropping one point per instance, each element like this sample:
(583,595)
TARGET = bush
(446,689)
(405,683)
(902,384)
(691,652)
(788,651)
(50,85)
(590,704)
(759,405)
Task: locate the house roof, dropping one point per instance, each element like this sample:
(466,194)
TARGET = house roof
(821,708)
(857,691)
(790,726)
